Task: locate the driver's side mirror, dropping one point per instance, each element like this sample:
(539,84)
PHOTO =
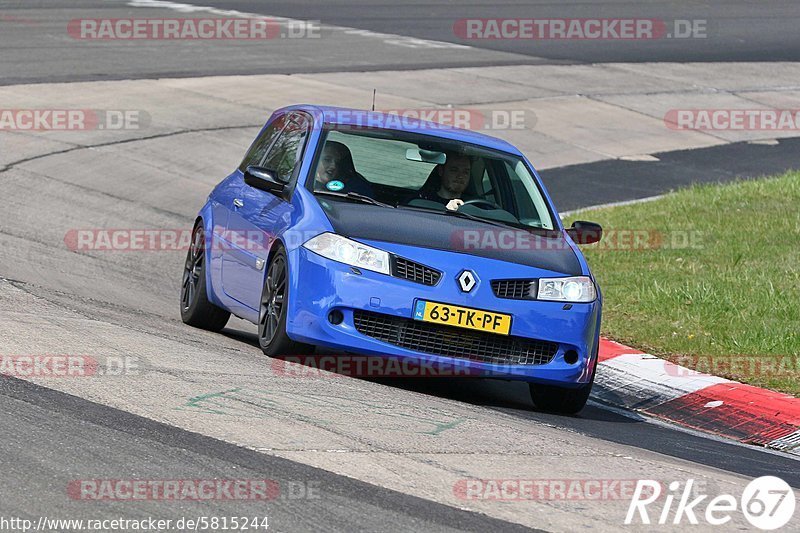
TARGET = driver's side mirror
(583,232)
(263,179)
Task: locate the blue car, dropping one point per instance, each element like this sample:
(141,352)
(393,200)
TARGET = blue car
(372,234)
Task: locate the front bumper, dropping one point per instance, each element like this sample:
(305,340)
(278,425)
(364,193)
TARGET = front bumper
(319,286)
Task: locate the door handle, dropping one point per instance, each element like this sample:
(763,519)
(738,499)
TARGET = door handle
(237,203)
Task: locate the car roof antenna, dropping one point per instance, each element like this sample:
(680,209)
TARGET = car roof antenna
(373,98)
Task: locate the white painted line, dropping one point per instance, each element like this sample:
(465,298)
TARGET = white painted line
(611,204)
(387,38)
(640,157)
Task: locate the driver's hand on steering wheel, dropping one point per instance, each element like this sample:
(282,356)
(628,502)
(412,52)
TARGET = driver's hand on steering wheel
(454,204)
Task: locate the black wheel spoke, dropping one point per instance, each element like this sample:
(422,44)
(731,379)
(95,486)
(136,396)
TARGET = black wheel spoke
(190,294)
(278,275)
(185,293)
(272,299)
(270,286)
(272,325)
(192,269)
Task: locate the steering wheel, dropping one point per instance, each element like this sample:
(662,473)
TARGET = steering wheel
(482,201)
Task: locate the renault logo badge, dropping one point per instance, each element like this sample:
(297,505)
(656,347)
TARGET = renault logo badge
(466,280)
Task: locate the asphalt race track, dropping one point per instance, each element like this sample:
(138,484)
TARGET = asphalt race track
(349,454)
(737,30)
(356,32)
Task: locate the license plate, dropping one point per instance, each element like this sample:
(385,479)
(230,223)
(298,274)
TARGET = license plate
(462,317)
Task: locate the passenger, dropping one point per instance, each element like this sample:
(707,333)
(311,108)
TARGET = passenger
(336,171)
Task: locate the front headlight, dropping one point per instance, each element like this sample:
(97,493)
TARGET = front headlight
(341,249)
(579,289)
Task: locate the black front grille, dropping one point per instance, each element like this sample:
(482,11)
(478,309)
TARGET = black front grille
(412,271)
(515,289)
(455,342)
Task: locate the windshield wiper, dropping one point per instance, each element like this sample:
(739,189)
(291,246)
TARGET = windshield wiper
(363,198)
(448,212)
(461,214)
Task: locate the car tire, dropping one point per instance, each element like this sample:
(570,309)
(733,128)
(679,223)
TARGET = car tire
(196,310)
(273,308)
(562,400)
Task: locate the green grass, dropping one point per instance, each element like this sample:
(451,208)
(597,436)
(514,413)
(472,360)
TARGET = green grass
(729,303)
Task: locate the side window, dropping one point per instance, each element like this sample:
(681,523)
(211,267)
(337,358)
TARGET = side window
(526,211)
(488,187)
(259,148)
(288,148)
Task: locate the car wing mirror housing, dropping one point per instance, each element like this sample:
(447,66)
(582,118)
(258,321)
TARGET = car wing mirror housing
(583,232)
(264,179)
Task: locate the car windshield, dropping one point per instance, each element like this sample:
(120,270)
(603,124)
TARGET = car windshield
(410,170)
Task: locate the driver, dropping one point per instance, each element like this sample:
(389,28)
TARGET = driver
(454,177)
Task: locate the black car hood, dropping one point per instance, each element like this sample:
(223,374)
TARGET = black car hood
(441,232)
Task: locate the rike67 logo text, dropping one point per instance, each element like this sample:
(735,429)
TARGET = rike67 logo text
(767,502)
